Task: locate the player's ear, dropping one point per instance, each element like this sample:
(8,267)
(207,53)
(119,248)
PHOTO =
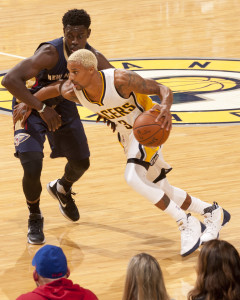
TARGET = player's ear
(89,32)
(91,69)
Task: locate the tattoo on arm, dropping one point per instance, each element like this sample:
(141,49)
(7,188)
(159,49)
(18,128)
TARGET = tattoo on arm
(120,89)
(140,85)
(129,82)
(134,80)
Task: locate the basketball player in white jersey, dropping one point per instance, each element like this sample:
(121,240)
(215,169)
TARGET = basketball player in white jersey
(120,96)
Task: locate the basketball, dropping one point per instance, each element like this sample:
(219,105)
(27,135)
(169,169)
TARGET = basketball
(148,132)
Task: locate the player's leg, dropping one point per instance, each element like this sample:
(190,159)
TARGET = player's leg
(61,189)
(32,188)
(29,146)
(215,217)
(139,160)
(191,229)
(74,170)
(157,174)
(69,141)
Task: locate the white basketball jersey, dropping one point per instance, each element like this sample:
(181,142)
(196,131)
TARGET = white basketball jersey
(123,112)
(112,106)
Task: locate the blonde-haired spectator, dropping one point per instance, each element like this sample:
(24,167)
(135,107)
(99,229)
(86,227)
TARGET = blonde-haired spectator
(144,279)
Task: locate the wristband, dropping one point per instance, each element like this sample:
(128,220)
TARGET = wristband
(42,109)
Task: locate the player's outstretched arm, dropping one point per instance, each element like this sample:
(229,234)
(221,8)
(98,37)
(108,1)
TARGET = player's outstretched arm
(127,82)
(65,88)
(50,91)
(61,87)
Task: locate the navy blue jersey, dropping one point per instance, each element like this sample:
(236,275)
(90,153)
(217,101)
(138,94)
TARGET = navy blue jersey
(69,140)
(65,108)
(59,71)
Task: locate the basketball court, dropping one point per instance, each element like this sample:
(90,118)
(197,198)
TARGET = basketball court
(190,46)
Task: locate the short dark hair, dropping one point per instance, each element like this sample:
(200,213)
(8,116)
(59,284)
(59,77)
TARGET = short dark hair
(76,17)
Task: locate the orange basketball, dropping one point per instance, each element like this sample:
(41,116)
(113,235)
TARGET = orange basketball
(148,132)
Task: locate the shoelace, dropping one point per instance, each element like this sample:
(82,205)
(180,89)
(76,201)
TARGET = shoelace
(186,228)
(34,225)
(208,222)
(69,195)
(210,208)
(187,232)
(210,225)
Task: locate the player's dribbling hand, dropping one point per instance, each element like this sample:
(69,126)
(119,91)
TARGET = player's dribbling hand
(105,120)
(21,112)
(164,111)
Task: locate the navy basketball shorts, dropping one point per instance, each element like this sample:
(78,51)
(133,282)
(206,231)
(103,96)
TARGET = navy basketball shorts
(68,141)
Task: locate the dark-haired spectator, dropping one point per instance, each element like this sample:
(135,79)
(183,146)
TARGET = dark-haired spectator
(218,272)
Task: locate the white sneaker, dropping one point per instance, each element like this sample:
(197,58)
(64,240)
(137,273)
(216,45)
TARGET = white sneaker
(191,231)
(215,217)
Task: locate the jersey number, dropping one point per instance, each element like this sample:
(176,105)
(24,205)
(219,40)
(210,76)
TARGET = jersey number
(128,126)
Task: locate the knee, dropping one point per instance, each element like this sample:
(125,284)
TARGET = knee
(32,170)
(130,178)
(85,164)
(32,164)
(76,168)
(80,165)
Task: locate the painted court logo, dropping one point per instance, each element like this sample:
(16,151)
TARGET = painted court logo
(206,91)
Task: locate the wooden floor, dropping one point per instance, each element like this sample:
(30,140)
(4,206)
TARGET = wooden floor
(116,223)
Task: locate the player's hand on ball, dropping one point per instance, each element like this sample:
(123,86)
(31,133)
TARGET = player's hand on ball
(149,132)
(164,111)
(105,120)
(21,112)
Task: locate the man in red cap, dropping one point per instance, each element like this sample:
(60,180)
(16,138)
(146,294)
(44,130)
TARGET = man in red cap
(51,276)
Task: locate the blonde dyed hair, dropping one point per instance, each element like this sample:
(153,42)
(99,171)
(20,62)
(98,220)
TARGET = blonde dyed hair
(85,57)
(144,279)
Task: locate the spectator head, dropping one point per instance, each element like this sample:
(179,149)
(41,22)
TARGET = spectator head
(144,279)
(50,263)
(218,272)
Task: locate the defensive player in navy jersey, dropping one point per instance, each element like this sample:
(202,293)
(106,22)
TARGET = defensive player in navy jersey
(54,118)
